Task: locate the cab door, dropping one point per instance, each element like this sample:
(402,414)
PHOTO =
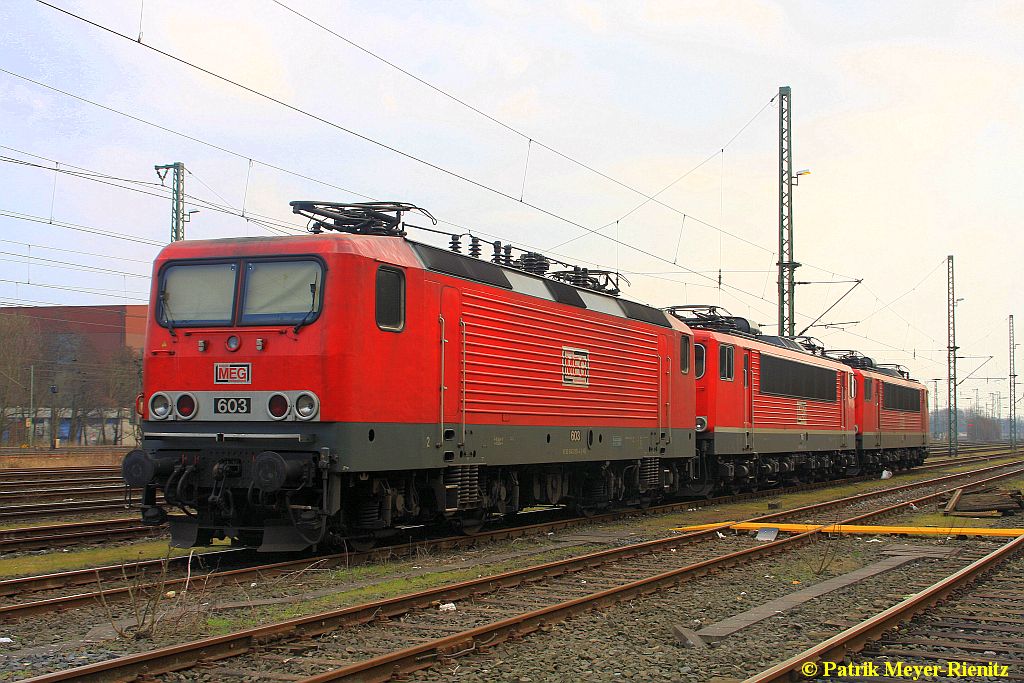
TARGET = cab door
(452,388)
(748,402)
(847,403)
(878,412)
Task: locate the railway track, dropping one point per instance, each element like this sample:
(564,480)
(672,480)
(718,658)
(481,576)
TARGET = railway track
(52,492)
(39,537)
(62,535)
(12,479)
(37,473)
(68,507)
(551,591)
(36,537)
(971,616)
(85,493)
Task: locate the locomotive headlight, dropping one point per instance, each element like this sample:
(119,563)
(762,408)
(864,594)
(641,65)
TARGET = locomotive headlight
(160,406)
(277,406)
(232,343)
(701,423)
(186,406)
(306,406)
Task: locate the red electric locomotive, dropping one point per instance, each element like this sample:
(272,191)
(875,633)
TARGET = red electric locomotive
(892,410)
(304,390)
(772,409)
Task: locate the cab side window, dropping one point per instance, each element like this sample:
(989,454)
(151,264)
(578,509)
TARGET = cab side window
(867,388)
(698,360)
(726,360)
(390,306)
(684,354)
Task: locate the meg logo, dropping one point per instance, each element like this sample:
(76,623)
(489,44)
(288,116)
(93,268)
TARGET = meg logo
(575,367)
(232,373)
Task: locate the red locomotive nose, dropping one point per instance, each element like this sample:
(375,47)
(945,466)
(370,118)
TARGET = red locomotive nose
(186,405)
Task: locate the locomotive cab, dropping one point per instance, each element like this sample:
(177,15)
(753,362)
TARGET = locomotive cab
(305,391)
(233,396)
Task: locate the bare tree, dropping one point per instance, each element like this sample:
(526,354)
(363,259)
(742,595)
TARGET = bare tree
(19,344)
(118,382)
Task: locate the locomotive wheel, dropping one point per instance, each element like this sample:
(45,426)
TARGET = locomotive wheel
(361,544)
(589,510)
(470,525)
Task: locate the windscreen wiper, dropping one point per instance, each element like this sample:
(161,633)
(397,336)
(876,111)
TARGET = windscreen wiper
(312,307)
(168,316)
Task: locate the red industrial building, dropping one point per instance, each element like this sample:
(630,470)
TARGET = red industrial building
(78,345)
(107,329)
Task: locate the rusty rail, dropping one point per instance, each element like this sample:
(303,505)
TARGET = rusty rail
(381,668)
(856,637)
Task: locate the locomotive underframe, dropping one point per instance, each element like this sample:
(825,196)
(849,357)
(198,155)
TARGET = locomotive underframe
(218,487)
(338,481)
(761,459)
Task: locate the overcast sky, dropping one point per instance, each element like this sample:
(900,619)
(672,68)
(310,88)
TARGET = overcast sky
(908,114)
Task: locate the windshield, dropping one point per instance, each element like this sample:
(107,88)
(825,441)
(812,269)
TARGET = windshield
(281,292)
(198,294)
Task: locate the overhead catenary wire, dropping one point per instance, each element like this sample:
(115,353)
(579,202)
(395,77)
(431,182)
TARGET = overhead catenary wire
(98,177)
(272,224)
(909,291)
(469,180)
(240,155)
(76,251)
(366,138)
(79,228)
(68,265)
(114,309)
(96,291)
(93,175)
(292,172)
(531,140)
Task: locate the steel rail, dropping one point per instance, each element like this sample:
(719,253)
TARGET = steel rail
(856,637)
(45,509)
(80,577)
(80,493)
(421,656)
(75,578)
(8,486)
(380,668)
(113,532)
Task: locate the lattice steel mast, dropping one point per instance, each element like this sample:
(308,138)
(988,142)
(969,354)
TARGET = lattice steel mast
(178,216)
(787,266)
(951,359)
(1013,393)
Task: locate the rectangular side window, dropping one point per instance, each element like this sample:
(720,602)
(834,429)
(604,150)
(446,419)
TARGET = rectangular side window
(784,377)
(746,369)
(684,354)
(390,299)
(867,388)
(896,397)
(726,359)
(698,360)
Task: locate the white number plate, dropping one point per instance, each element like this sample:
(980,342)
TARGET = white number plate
(229,406)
